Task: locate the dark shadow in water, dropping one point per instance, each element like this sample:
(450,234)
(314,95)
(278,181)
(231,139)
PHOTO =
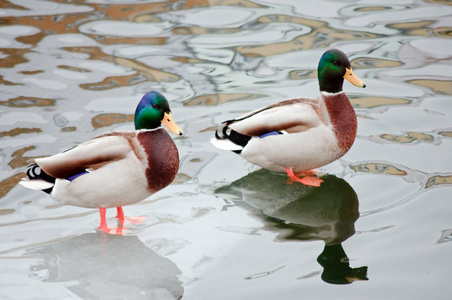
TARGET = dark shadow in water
(299,212)
(102,266)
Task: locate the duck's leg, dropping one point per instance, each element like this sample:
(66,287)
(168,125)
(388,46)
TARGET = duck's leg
(306,180)
(120,215)
(103,219)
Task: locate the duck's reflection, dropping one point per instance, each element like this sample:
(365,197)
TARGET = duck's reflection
(102,266)
(298,212)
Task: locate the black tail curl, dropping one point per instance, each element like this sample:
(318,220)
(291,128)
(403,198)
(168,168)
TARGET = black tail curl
(34,172)
(233,136)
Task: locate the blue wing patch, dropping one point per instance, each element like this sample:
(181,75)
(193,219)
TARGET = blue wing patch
(270,133)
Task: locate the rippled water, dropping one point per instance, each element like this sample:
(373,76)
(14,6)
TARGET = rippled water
(224,229)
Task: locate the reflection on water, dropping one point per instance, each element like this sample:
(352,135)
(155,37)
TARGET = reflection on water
(304,213)
(72,70)
(336,267)
(102,266)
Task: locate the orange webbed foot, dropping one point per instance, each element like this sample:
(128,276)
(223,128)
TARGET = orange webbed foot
(130,220)
(306,180)
(122,220)
(120,230)
(311,181)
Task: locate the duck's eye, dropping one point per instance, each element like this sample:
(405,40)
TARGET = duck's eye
(336,63)
(155,106)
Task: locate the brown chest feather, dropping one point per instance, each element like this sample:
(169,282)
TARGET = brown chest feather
(343,119)
(162,157)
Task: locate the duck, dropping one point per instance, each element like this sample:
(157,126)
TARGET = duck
(297,136)
(113,169)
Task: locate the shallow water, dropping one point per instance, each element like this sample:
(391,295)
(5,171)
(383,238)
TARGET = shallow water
(381,221)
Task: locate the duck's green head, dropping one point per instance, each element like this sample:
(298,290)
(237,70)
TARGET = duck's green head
(153,111)
(333,68)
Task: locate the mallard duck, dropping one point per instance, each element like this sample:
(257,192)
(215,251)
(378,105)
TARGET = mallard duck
(299,135)
(114,169)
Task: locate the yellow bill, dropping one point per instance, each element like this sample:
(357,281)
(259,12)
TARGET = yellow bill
(353,79)
(171,125)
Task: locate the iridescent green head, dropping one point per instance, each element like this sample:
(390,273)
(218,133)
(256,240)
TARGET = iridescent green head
(152,111)
(333,67)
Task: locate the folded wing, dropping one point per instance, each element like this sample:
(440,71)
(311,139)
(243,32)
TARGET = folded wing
(89,155)
(287,116)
